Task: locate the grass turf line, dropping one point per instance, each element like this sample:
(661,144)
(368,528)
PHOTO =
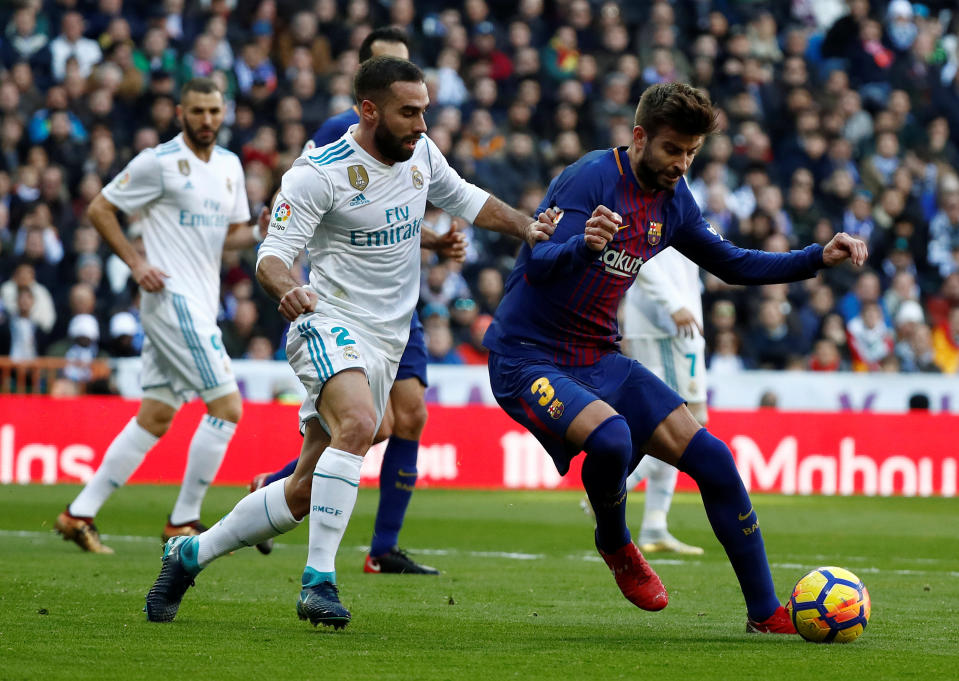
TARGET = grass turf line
(550,612)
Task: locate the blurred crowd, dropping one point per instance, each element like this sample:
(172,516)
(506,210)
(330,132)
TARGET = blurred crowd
(835,116)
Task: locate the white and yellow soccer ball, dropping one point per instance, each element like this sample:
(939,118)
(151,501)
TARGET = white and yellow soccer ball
(829,605)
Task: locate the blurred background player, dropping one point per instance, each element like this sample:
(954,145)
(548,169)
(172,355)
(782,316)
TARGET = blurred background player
(662,317)
(192,198)
(406,415)
(351,322)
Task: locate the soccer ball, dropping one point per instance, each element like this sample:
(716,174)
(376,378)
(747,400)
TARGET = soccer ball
(829,605)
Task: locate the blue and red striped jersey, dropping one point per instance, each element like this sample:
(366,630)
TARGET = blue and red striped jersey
(562,298)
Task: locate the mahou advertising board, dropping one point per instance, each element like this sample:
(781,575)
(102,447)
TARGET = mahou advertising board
(44,440)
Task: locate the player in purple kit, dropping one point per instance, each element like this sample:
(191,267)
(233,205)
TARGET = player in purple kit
(555,364)
(407,411)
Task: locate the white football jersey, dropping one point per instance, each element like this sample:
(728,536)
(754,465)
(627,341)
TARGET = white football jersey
(187,206)
(665,284)
(360,221)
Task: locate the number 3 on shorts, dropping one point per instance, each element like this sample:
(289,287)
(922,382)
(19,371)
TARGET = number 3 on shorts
(342,336)
(542,387)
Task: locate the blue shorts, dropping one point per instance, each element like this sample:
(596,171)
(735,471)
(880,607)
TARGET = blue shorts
(545,398)
(414,359)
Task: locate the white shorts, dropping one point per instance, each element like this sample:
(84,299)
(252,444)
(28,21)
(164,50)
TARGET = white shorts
(319,347)
(679,362)
(182,353)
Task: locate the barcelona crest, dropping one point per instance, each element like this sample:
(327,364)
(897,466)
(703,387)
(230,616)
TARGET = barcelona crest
(556,409)
(654,233)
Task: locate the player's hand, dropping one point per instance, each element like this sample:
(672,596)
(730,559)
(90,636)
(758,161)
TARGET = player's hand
(296,301)
(451,245)
(544,226)
(842,247)
(686,324)
(263,220)
(602,227)
(149,278)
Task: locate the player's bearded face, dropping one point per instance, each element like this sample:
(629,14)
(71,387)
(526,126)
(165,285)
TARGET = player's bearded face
(201,116)
(401,124)
(396,147)
(666,158)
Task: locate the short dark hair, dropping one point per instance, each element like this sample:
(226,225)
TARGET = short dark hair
(202,85)
(377,74)
(679,106)
(388,34)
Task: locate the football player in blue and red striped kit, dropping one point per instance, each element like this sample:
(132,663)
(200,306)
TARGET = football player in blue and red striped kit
(555,364)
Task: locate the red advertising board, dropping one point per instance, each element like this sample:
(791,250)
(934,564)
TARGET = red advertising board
(48,441)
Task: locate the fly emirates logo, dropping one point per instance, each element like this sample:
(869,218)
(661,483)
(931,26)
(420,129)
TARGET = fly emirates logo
(621,263)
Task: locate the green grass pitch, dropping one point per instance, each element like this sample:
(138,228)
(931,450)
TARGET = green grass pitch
(522,595)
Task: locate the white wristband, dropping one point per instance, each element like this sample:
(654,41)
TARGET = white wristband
(258,235)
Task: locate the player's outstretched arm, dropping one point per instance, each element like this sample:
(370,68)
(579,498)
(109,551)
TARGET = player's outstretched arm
(103,215)
(278,281)
(842,247)
(497,216)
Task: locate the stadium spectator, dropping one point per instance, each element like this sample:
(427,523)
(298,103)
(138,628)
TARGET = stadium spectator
(870,340)
(945,343)
(21,338)
(472,350)
(42,311)
(71,46)
(944,236)
(24,42)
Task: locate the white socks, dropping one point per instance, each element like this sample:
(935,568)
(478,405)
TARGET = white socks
(207,449)
(335,484)
(660,486)
(123,457)
(257,517)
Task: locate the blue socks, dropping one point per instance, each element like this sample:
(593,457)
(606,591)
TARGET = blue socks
(609,450)
(284,472)
(710,463)
(313,577)
(397,481)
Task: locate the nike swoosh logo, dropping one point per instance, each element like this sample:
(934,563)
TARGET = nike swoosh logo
(404,474)
(374,566)
(744,516)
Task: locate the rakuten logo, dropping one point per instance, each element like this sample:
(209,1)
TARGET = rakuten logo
(847,473)
(73,461)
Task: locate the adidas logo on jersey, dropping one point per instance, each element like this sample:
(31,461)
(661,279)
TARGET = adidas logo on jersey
(359,200)
(188,185)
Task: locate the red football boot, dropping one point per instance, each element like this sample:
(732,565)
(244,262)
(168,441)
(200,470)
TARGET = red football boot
(635,578)
(777,623)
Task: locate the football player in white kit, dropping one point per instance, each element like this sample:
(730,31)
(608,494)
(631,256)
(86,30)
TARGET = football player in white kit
(191,198)
(357,205)
(662,316)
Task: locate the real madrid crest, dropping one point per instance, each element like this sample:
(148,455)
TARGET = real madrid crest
(417,177)
(359,178)
(229,185)
(654,233)
(351,353)
(184,166)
